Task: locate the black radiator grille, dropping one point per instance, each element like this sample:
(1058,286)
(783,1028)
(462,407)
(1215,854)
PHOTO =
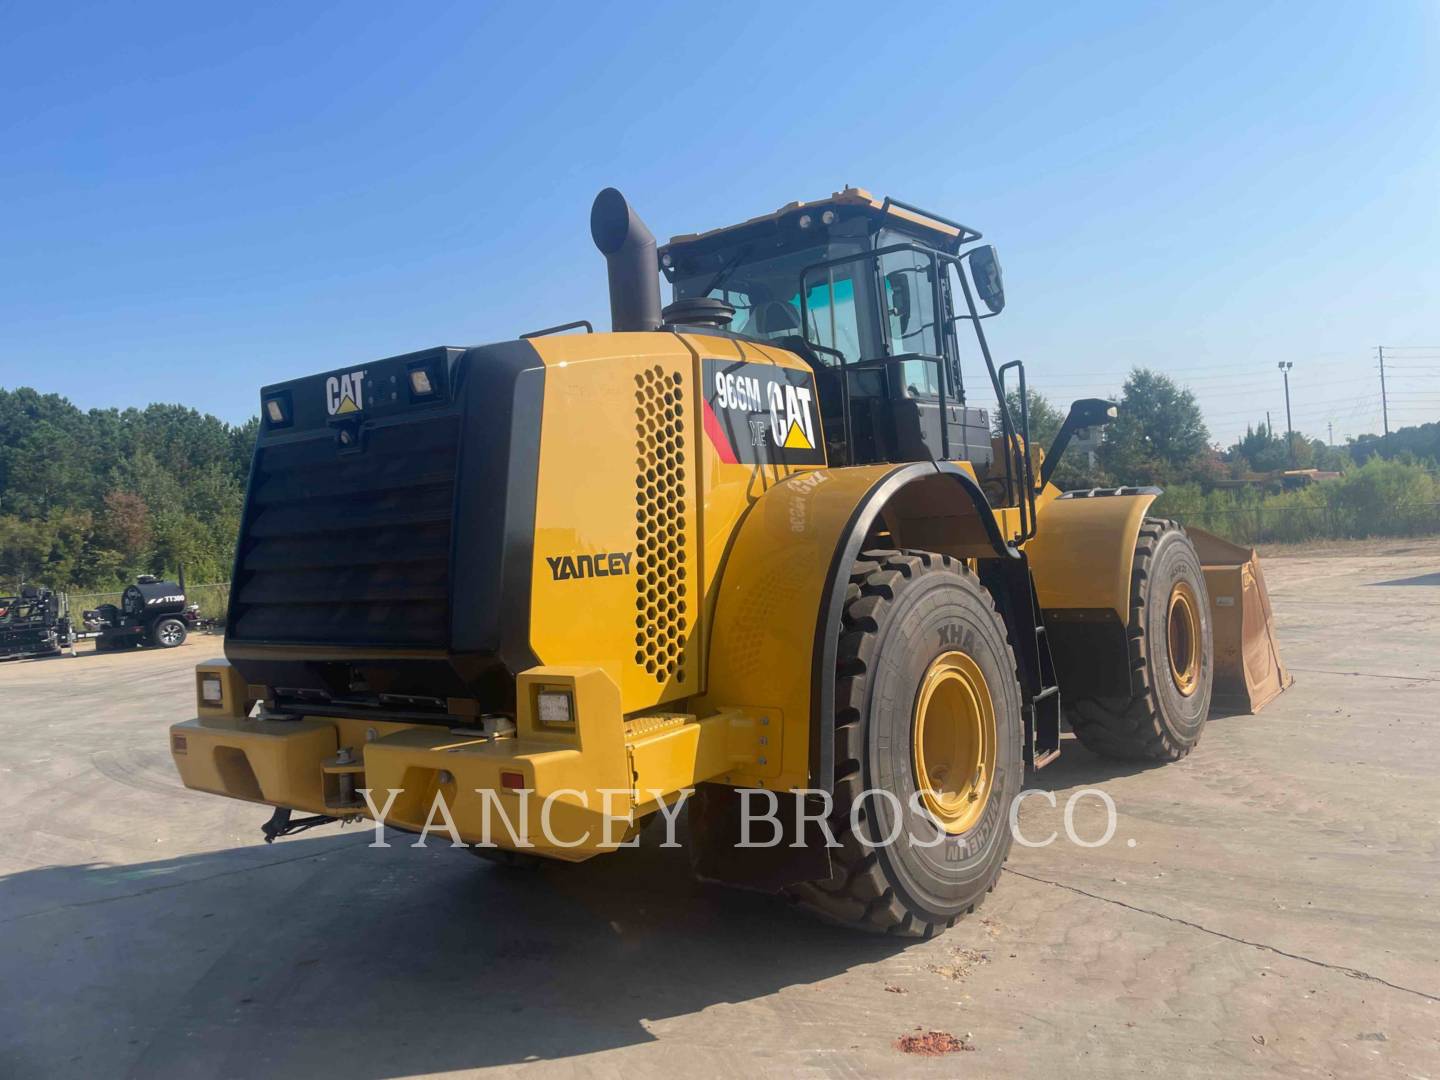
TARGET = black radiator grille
(350,549)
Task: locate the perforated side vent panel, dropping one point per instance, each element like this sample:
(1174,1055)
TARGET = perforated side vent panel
(661,500)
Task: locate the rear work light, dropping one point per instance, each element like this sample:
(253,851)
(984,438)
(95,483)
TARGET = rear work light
(426,382)
(210,689)
(278,411)
(555,709)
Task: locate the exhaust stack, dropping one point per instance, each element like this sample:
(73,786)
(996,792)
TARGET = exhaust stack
(634,270)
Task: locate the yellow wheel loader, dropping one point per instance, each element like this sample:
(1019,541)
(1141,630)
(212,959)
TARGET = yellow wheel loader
(755,552)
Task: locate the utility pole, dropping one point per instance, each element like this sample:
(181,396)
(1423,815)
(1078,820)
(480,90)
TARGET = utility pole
(1331,425)
(1269,427)
(1285,366)
(1384,403)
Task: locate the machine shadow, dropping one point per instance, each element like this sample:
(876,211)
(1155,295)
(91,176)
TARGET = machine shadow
(1077,766)
(16,661)
(1432,580)
(378,963)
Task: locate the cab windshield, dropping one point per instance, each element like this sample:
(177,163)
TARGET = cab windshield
(765,292)
(858,307)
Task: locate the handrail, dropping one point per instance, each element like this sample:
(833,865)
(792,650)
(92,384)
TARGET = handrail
(1025,499)
(967,234)
(559,329)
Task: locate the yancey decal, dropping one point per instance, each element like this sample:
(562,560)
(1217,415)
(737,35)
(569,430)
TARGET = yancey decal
(345,393)
(603,564)
(760,414)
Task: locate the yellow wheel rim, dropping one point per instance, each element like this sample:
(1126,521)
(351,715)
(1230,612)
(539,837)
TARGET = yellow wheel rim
(954,737)
(1182,635)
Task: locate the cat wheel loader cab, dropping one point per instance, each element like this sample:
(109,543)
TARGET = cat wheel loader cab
(757,544)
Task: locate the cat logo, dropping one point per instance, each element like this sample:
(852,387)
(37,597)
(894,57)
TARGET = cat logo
(345,393)
(790,422)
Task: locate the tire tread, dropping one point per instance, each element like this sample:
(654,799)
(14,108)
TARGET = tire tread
(1133,729)
(857,894)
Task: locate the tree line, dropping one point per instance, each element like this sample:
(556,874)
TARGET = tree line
(88,500)
(1388,485)
(1160,437)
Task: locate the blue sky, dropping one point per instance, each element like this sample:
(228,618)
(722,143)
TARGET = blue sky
(199,199)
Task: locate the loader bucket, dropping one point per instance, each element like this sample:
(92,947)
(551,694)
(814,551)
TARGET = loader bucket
(1248,671)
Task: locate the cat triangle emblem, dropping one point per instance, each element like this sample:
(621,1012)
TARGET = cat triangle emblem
(795,438)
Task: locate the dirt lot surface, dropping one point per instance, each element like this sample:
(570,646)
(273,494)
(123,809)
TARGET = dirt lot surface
(1268,905)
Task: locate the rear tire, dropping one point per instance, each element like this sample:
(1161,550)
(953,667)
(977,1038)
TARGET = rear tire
(909,615)
(1172,658)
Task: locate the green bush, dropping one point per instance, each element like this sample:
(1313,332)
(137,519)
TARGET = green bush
(1380,498)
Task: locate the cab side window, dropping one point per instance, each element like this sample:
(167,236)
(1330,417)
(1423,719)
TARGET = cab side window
(830,308)
(911,322)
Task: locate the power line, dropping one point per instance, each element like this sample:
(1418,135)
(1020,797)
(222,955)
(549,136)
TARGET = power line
(1407,352)
(1415,395)
(1203,369)
(1384,405)
(1306,408)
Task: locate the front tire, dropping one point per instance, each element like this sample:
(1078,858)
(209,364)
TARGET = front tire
(927,710)
(1172,657)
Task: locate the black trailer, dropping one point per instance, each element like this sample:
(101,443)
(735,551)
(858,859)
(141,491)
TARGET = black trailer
(33,623)
(151,612)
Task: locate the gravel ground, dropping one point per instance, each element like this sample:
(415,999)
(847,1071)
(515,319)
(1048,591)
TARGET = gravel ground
(1267,905)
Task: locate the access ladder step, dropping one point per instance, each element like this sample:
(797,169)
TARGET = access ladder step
(1041,760)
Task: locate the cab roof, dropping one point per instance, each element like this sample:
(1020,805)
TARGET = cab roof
(849,201)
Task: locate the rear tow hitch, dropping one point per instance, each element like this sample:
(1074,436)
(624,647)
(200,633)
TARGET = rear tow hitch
(281,825)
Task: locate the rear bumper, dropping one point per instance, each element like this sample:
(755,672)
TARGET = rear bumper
(564,795)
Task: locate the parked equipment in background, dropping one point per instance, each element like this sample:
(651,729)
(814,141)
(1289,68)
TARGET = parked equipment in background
(758,544)
(151,613)
(34,623)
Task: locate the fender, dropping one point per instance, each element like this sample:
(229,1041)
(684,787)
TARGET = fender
(1081,558)
(781,595)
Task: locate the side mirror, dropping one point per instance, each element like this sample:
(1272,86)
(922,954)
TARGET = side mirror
(1085,413)
(989,283)
(1092,412)
(898,286)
